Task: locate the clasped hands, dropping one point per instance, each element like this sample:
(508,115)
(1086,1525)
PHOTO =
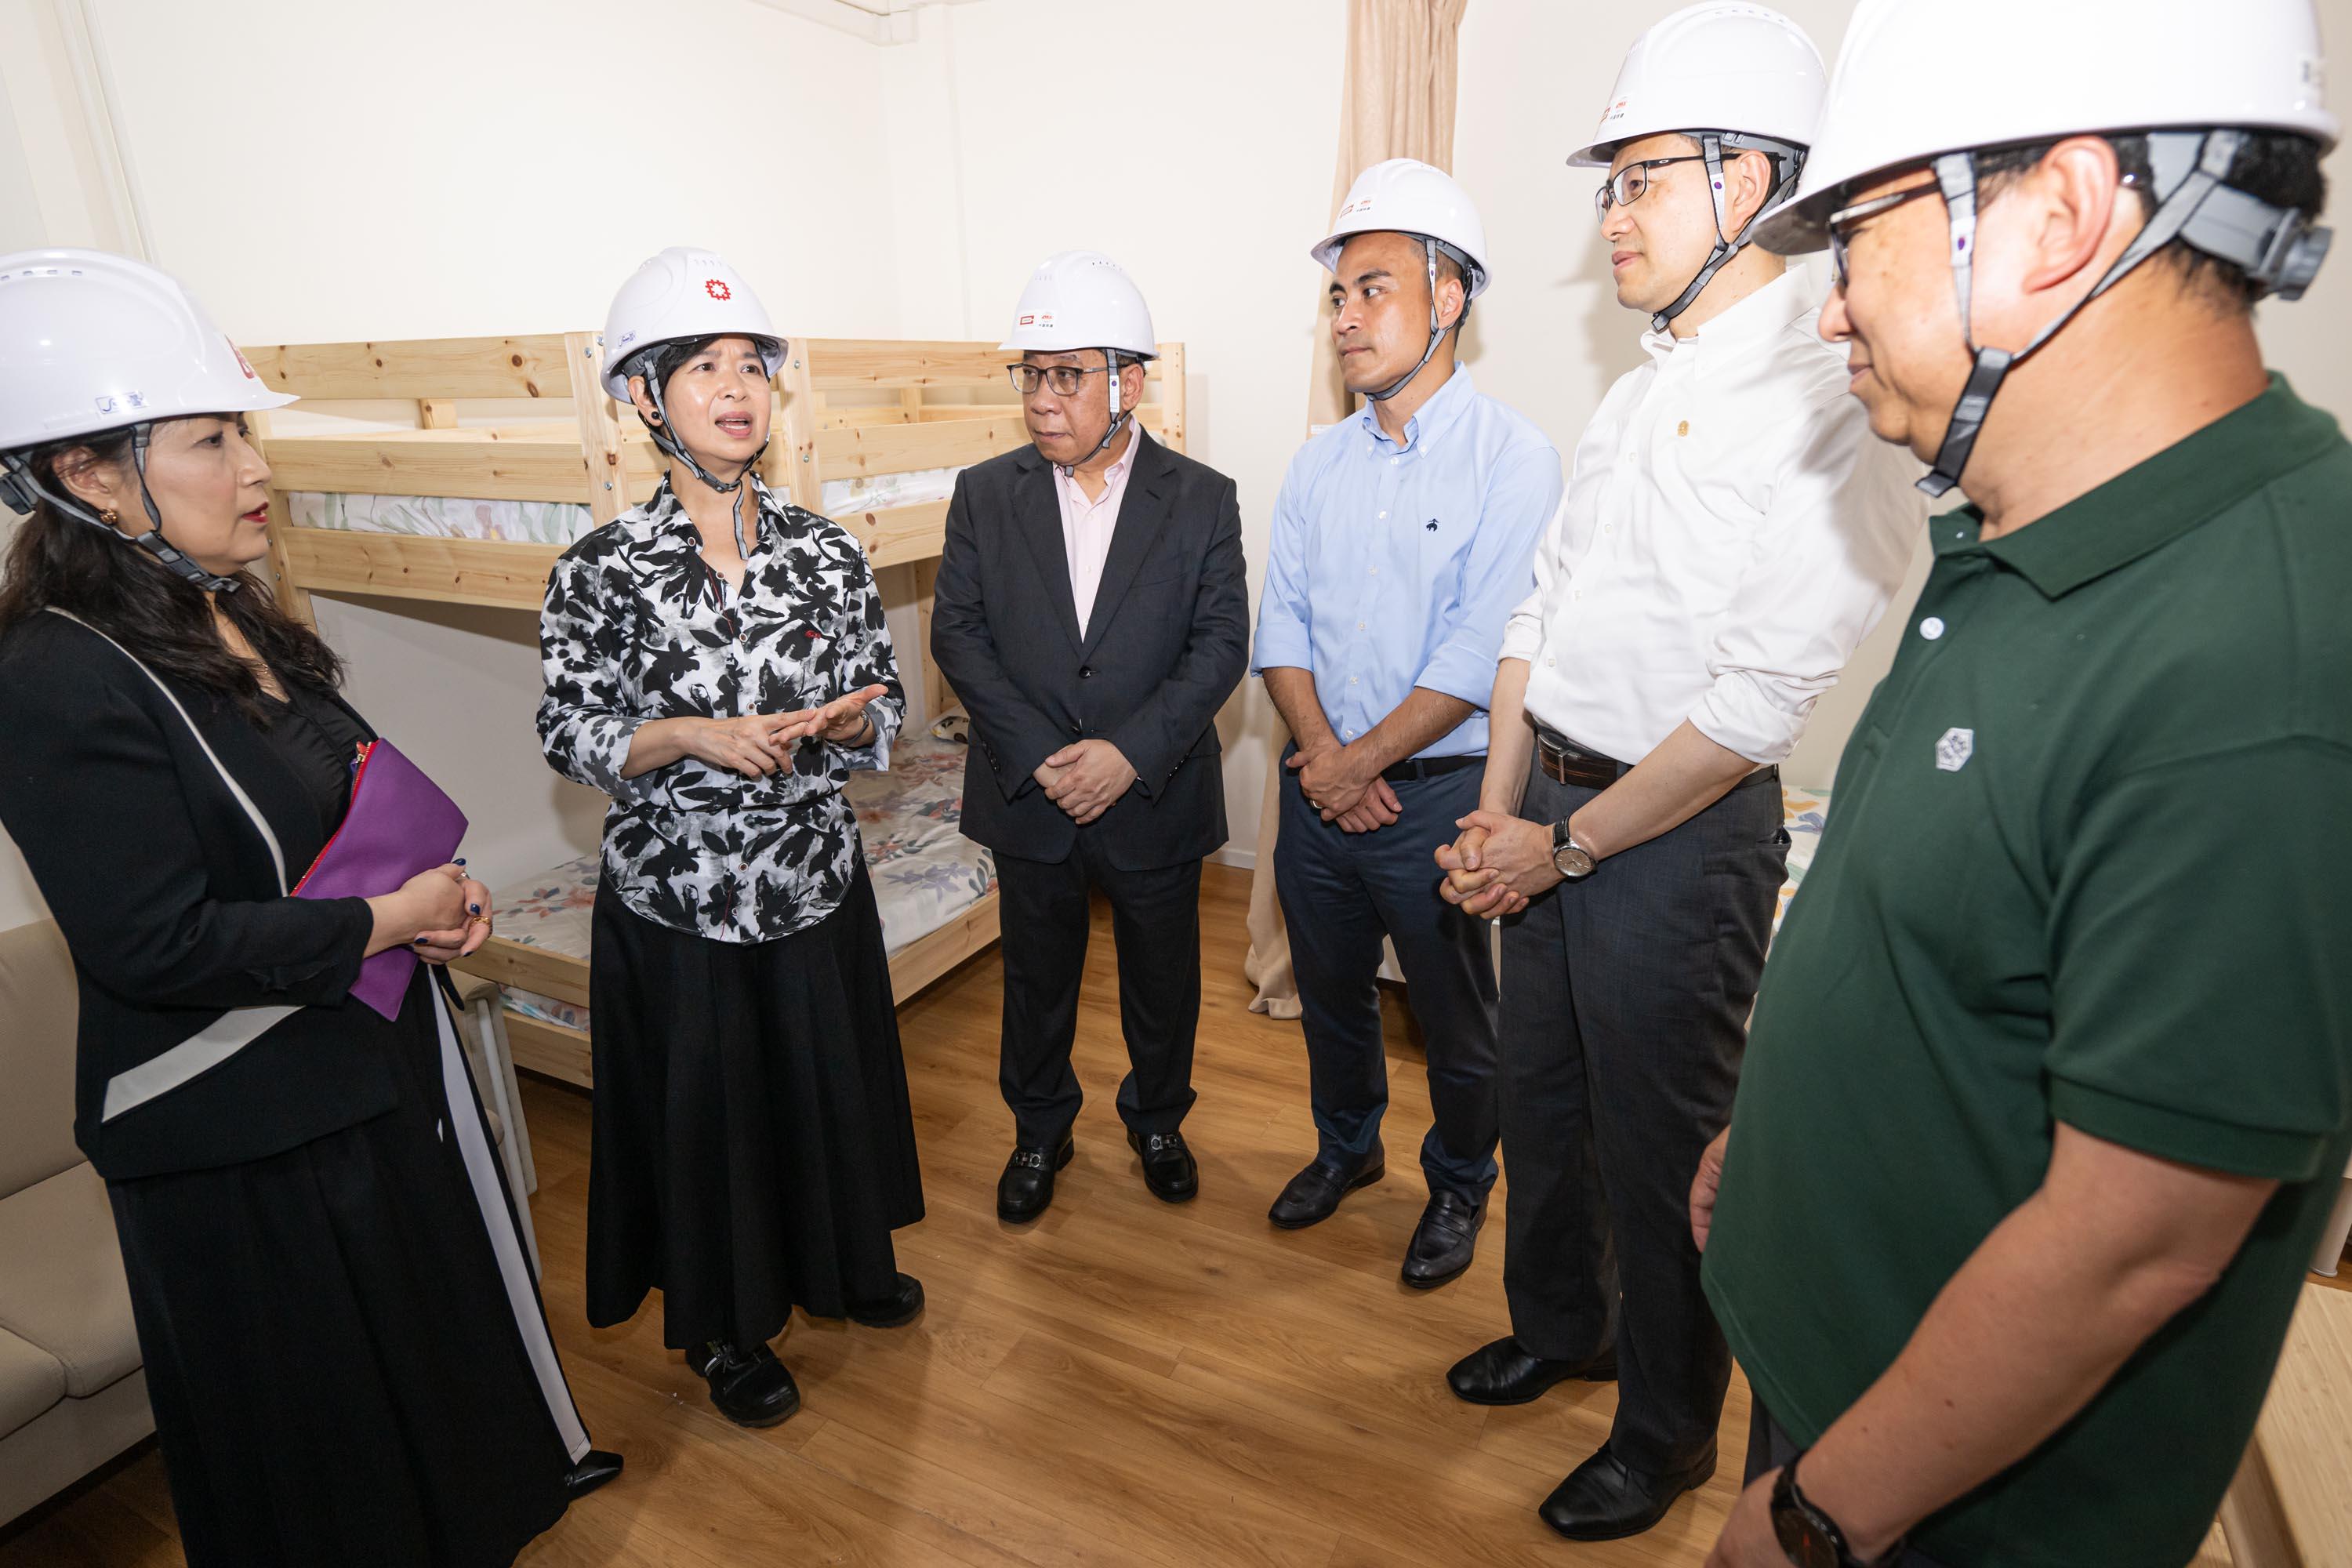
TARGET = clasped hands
(1343,786)
(1497,864)
(757,744)
(438,914)
(1085,778)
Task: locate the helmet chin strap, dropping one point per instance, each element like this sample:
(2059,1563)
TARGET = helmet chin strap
(1436,333)
(667,439)
(2277,248)
(21,488)
(1788,163)
(1118,418)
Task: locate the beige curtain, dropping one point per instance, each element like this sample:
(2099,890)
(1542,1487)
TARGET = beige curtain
(1397,101)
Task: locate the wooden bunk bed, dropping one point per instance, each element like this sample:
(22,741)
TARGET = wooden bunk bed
(868,432)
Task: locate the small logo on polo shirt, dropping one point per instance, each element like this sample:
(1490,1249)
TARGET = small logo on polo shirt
(1953,752)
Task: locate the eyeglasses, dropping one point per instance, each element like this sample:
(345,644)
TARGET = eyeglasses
(1627,183)
(1065,379)
(1842,224)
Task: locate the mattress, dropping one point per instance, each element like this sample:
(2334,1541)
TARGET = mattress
(562,523)
(925,871)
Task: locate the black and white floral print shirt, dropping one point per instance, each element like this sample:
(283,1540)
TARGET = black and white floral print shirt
(638,626)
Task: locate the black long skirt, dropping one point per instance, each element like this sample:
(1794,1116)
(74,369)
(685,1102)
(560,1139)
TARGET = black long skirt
(753,1146)
(343,1343)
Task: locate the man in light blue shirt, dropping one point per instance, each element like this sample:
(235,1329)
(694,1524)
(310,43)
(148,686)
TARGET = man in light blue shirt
(1403,539)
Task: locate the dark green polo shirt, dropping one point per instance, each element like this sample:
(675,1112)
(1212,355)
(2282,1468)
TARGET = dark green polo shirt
(2089,860)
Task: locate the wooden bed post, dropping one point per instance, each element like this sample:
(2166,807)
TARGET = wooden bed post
(291,595)
(938,695)
(1171,394)
(600,429)
(795,455)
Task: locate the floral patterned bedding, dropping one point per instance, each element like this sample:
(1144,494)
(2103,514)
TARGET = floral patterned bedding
(563,522)
(925,871)
(443,517)
(1806,810)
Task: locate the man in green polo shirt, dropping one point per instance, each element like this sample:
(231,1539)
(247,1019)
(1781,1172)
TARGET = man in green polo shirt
(2049,1083)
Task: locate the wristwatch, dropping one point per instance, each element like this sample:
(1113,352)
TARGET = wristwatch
(1809,1538)
(1568,857)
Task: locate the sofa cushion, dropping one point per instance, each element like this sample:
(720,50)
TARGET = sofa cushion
(31,1383)
(39,999)
(61,1284)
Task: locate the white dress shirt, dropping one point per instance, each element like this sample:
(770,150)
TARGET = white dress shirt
(1730,530)
(1088,525)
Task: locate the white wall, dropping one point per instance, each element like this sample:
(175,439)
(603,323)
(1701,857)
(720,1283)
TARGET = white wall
(434,167)
(20,208)
(1007,149)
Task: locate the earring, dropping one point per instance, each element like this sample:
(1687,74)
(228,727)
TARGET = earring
(110,517)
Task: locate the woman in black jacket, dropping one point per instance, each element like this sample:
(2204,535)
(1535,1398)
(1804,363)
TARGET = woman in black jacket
(342,1338)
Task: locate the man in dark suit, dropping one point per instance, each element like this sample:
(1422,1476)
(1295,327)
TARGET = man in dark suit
(1091,613)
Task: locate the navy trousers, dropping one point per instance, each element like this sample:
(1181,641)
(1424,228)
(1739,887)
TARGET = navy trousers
(1341,892)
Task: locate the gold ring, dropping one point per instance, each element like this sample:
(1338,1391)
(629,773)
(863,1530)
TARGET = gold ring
(479,921)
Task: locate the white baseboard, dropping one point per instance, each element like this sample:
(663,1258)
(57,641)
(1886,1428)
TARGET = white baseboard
(1229,855)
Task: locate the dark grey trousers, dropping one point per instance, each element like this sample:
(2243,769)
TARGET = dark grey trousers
(1624,1012)
(1046,916)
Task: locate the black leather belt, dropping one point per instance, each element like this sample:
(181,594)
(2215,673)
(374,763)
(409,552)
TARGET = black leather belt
(1429,768)
(1564,761)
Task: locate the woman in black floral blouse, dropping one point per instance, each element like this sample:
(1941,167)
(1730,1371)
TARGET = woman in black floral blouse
(717,663)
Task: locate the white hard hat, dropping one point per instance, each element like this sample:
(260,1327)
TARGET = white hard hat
(1919,77)
(91,341)
(683,293)
(1716,66)
(1081,300)
(1405,196)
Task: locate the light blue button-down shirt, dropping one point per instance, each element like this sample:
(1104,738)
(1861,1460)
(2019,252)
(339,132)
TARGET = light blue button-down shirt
(1395,566)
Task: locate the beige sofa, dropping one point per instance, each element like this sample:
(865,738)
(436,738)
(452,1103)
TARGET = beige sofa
(72,1393)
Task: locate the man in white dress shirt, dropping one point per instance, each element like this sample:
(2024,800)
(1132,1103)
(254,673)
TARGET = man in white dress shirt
(1729,532)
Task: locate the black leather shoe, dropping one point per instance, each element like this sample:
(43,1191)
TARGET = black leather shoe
(1445,1241)
(1504,1373)
(1316,1192)
(1604,1500)
(590,1473)
(901,1307)
(751,1388)
(1168,1167)
(1026,1188)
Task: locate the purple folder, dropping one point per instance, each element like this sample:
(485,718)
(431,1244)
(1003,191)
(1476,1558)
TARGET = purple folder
(399,824)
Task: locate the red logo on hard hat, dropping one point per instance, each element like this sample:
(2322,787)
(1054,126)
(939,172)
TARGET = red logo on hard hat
(243,363)
(716,290)
(1027,321)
